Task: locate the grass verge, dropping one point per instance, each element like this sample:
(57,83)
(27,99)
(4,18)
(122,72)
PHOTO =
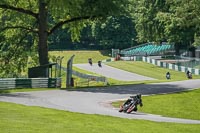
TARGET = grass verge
(22,119)
(180,105)
(80,56)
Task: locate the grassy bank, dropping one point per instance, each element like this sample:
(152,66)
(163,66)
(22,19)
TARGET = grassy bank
(149,70)
(23,119)
(180,105)
(81,56)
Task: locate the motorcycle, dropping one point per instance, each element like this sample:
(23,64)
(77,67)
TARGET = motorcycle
(189,75)
(90,61)
(99,64)
(130,105)
(168,75)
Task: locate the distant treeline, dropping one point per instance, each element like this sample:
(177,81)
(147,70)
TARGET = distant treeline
(114,32)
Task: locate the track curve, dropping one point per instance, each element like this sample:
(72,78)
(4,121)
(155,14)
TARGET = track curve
(96,100)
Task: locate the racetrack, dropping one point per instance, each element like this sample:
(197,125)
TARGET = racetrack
(97,100)
(114,73)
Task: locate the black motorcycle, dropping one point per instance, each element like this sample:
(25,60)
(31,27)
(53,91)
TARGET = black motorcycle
(99,64)
(189,75)
(90,61)
(131,104)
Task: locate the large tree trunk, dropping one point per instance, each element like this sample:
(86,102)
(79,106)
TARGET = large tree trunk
(42,46)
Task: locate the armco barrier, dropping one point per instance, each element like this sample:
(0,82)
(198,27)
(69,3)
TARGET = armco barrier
(10,83)
(161,64)
(171,66)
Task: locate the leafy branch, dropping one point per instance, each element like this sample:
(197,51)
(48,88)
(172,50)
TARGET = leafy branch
(61,23)
(21,10)
(19,27)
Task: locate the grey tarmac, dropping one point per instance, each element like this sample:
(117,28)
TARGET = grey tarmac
(97,100)
(114,73)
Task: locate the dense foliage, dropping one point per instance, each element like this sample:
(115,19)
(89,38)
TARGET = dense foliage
(99,35)
(115,32)
(174,21)
(29,26)
(29,23)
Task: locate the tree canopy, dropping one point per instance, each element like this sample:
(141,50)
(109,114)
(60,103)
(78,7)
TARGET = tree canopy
(115,32)
(169,20)
(33,21)
(27,25)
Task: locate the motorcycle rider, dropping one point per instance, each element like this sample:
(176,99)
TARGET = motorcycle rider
(168,75)
(137,99)
(90,61)
(99,64)
(189,74)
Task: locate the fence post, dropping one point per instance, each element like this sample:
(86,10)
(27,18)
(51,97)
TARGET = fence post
(69,71)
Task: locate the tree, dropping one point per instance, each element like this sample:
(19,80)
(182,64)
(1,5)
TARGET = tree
(148,26)
(31,17)
(174,21)
(181,23)
(116,32)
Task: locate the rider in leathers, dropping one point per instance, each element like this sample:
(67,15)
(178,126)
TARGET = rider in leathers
(137,99)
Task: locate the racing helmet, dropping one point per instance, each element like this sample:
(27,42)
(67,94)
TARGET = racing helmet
(139,95)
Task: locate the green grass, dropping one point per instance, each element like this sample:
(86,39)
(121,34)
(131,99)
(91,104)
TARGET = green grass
(80,56)
(25,119)
(180,105)
(138,67)
(80,82)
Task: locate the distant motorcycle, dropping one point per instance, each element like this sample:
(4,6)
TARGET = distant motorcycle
(90,61)
(189,75)
(131,104)
(168,75)
(99,64)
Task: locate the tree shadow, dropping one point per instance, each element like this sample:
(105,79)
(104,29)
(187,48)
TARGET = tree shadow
(23,95)
(144,89)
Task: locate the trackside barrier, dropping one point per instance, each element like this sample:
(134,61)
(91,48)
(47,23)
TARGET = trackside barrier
(11,83)
(171,66)
(90,77)
(194,71)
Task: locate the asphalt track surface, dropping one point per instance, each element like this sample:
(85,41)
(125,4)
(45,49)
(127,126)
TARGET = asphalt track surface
(97,100)
(114,73)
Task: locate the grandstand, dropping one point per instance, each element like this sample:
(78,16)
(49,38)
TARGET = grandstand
(146,50)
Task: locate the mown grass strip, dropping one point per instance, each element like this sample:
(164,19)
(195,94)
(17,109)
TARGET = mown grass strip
(25,119)
(179,105)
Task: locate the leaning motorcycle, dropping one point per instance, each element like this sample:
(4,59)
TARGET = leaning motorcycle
(126,105)
(131,104)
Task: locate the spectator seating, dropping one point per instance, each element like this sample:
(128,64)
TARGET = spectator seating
(146,49)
